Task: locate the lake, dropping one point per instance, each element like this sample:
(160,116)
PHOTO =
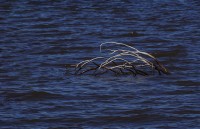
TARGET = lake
(38,38)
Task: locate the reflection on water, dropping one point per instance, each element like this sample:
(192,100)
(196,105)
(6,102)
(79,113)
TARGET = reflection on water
(39,37)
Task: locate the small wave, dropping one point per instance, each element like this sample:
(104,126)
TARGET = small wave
(175,51)
(187,83)
(136,111)
(30,96)
(134,118)
(179,92)
(131,34)
(195,112)
(52,51)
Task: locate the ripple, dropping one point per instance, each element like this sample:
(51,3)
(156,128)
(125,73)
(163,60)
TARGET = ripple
(187,83)
(30,96)
(39,37)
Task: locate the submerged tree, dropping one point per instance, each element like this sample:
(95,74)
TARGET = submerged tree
(128,61)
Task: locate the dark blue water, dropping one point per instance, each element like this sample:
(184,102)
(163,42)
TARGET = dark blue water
(39,37)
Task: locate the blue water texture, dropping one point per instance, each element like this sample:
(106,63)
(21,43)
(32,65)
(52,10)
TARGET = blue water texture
(39,38)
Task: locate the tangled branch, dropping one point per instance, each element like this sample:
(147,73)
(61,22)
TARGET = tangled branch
(129,61)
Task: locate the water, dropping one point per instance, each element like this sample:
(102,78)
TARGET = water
(37,39)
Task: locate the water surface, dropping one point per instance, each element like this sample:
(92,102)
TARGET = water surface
(37,39)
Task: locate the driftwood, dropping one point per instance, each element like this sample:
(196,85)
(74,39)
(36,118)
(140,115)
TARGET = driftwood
(129,61)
